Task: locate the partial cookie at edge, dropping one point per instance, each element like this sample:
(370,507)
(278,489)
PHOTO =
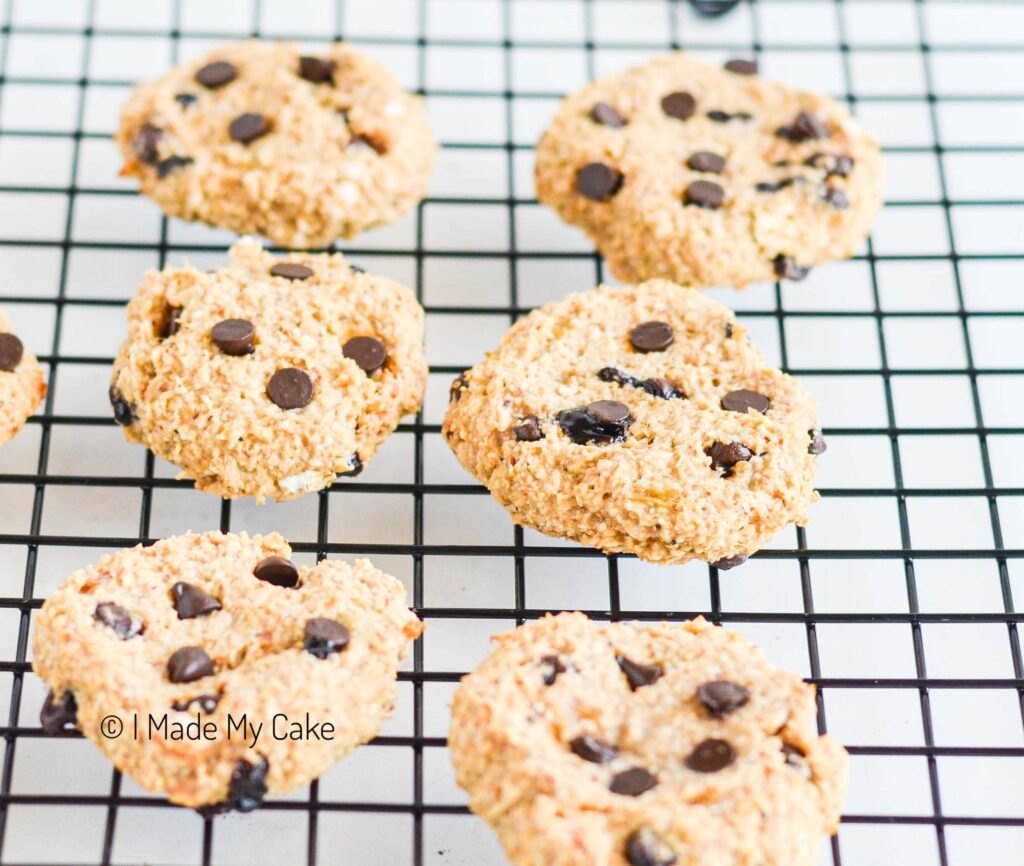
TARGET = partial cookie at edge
(22,382)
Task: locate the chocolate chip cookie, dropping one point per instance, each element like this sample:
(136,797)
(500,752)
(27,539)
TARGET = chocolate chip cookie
(270,376)
(586,744)
(708,176)
(22,382)
(639,419)
(261,137)
(226,632)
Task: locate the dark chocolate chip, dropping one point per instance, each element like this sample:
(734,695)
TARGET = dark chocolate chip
(797,759)
(608,411)
(553,666)
(290,388)
(632,782)
(602,422)
(56,715)
(594,750)
(190,601)
(663,389)
(817,445)
(185,99)
(248,785)
(730,561)
(652,336)
(291,271)
(172,164)
(725,455)
(704,193)
(248,127)
(831,163)
(745,399)
(605,115)
(719,116)
(711,756)
(170,322)
(145,143)
(645,848)
(528,431)
(598,181)
(639,675)
(459,384)
(836,197)
(705,160)
(117,619)
(316,69)
(206,703)
(188,664)
(124,412)
(787,269)
(775,185)
(355,467)
(11,352)
(713,9)
(805,126)
(728,331)
(722,697)
(368,352)
(741,67)
(234,336)
(324,637)
(217,74)
(278,571)
(680,105)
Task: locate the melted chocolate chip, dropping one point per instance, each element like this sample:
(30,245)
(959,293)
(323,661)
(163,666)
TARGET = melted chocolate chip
(632,782)
(248,127)
(725,455)
(719,116)
(805,126)
(217,74)
(316,70)
(234,336)
(602,422)
(206,703)
(680,105)
(663,389)
(124,412)
(797,759)
(190,601)
(593,750)
(598,182)
(722,697)
(170,322)
(639,675)
(787,269)
(645,848)
(459,384)
(368,352)
(188,664)
(836,197)
(11,352)
(831,163)
(325,637)
(146,142)
(652,336)
(730,561)
(291,271)
(705,194)
(817,445)
(711,756)
(745,399)
(741,67)
(248,785)
(56,715)
(117,619)
(172,164)
(704,160)
(528,431)
(278,571)
(775,185)
(605,115)
(552,667)
(185,99)
(290,388)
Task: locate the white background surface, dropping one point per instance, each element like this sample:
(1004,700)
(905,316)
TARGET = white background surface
(902,305)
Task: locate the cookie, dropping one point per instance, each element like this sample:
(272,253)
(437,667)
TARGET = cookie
(260,137)
(586,744)
(707,176)
(271,376)
(639,419)
(22,382)
(225,631)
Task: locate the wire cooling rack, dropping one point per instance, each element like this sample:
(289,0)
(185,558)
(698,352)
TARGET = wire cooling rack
(898,599)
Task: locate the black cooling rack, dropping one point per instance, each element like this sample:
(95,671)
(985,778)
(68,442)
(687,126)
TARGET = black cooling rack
(934,730)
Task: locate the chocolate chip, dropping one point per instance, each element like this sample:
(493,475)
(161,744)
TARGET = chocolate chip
(719,116)
(632,782)
(248,785)
(608,411)
(605,115)
(459,384)
(234,336)
(185,99)
(598,181)
(741,67)
(805,126)
(146,142)
(652,336)
(744,399)
(817,445)
(728,331)
(721,697)
(797,759)
(594,750)
(124,412)
(831,163)
(368,352)
(663,389)
(836,197)
(290,388)
(248,127)
(602,422)
(680,105)
(730,561)
(278,571)
(56,715)
(117,619)
(705,160)
(787,269)
(711,756)
(355,466)
(206,703)
(776,185)
(217,74)
(639,675)
(316,69)
(645,848)
(713,9)
(11,352)
(170,321)
(190,601)
(188,664)
(725,455)
(704,193)
(324,637)
(528,431)
(291,271)
(172,164)
(553,666)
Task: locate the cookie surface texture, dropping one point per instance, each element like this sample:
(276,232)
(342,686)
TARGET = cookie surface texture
(22,382)
(638,419)
(270,376)
(711,756)
(682,170)
(186,629)
(258,137)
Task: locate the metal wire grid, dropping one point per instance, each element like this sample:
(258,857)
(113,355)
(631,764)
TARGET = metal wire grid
(936,820)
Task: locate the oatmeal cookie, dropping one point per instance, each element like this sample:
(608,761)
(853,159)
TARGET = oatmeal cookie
(22,382)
